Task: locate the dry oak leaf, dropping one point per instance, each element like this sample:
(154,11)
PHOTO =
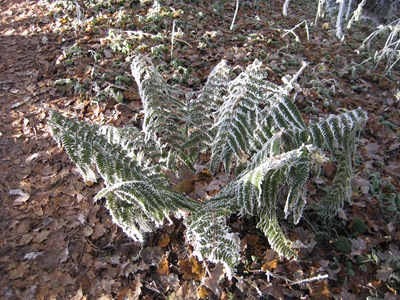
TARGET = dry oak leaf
(215,275)
(191,269)
(19,271)
(163,266)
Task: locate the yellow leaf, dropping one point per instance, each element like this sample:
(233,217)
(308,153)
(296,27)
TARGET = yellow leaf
(197,267)
(163,266)
(269,266)
(191,269)
(202,292)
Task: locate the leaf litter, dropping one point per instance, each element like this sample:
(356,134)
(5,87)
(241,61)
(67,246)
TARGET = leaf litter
(56,243)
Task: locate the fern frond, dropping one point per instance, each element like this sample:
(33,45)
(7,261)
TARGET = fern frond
(276,238)
(296,198)
(212,238)
(337,131)
(258,189)
(135,194)
(285,114)
(337,134)
(237,117)
(66,133)
(252,108)
(340,191)
(163,105)
(132,141)
(129,218)
(207,101)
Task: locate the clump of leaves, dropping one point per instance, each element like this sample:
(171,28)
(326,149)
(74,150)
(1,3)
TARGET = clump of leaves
(250,129)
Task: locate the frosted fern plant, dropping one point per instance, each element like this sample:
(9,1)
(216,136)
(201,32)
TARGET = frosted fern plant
(252,131)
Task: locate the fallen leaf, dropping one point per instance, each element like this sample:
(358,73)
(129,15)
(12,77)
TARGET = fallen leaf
(384,272)
(164,240)
(213,281)
(191,268)
(41,235)
(19,271)
(87,231)
(185,186)
(107,53)
(320,290)
(163,266)
(269,266)
(202,292)
(358,246)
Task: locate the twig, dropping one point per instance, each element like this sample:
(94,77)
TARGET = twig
(234,17)
(173,38)
(320,11)
(356,14)
(285,8)
(304,64)
(291,282)
(390,50)
(349,6)
(79,15)
(182,41)
(339,31)
(297,38)
(311,279)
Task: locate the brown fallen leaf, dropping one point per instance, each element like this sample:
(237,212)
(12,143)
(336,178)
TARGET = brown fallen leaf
(164,240)
(320,290)
(215,275)
(163,266)
(269,266)
(19,271)
(202,292)
(191,268)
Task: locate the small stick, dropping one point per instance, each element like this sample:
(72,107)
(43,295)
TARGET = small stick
(311,279)
(285,8)
(173,38)
(234,17)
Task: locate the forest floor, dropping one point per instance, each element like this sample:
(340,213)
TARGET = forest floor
(57,243)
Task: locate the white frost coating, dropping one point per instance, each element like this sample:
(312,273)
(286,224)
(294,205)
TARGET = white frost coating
(285,8)
(339,31)
(214,244)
